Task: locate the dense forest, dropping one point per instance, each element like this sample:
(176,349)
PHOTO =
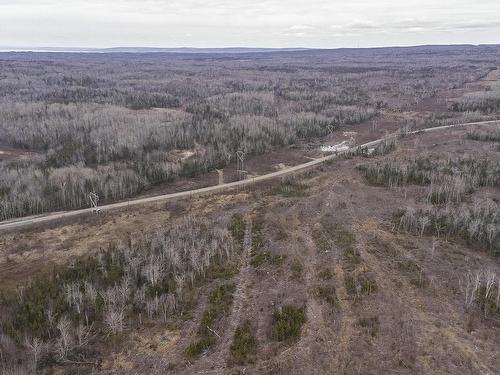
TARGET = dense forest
(119,123)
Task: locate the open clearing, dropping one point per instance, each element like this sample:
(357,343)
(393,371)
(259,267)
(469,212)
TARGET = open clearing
(397,326)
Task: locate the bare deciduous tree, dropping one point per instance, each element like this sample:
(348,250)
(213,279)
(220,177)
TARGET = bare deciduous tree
(64,343)
(36,347)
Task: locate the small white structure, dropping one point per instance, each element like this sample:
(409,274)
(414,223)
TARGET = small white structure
(343,146)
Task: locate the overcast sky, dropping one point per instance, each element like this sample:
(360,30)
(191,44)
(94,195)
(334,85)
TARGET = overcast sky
(247,23)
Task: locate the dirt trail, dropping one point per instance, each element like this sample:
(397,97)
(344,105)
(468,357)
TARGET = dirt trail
(217,360)
(317,338)
(347,330)
(321,336)
(415,305)
(240,296)
(315,351)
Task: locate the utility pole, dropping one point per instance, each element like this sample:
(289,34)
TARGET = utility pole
(240,159)
(94,199)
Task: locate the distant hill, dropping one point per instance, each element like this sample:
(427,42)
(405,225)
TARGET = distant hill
(230,50)
(251,50)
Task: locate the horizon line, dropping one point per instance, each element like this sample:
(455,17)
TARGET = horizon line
(45,49)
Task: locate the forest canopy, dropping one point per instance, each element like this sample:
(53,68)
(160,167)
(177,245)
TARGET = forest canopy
(119,123)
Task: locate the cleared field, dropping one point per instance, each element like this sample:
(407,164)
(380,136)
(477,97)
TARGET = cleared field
(322,277)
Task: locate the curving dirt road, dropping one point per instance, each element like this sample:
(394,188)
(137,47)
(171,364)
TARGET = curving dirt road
(30,220)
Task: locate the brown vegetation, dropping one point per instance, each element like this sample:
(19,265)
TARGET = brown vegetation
(390,267)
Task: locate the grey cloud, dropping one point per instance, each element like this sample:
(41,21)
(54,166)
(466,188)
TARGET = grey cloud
(477,24)
(301,27)
(319,23)
(414,25)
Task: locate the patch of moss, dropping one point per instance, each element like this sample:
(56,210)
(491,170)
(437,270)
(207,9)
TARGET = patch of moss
(290,187)
(297,268)
(360,283)
(225,270)
(199,346)
(266,258)
(414,272)
(244,343)
(352,257)
(325,274)
(237,229)
(327,294)
(369,325)
(219,303)
(342,236)
(326,234)
(257,236)
(287,323)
